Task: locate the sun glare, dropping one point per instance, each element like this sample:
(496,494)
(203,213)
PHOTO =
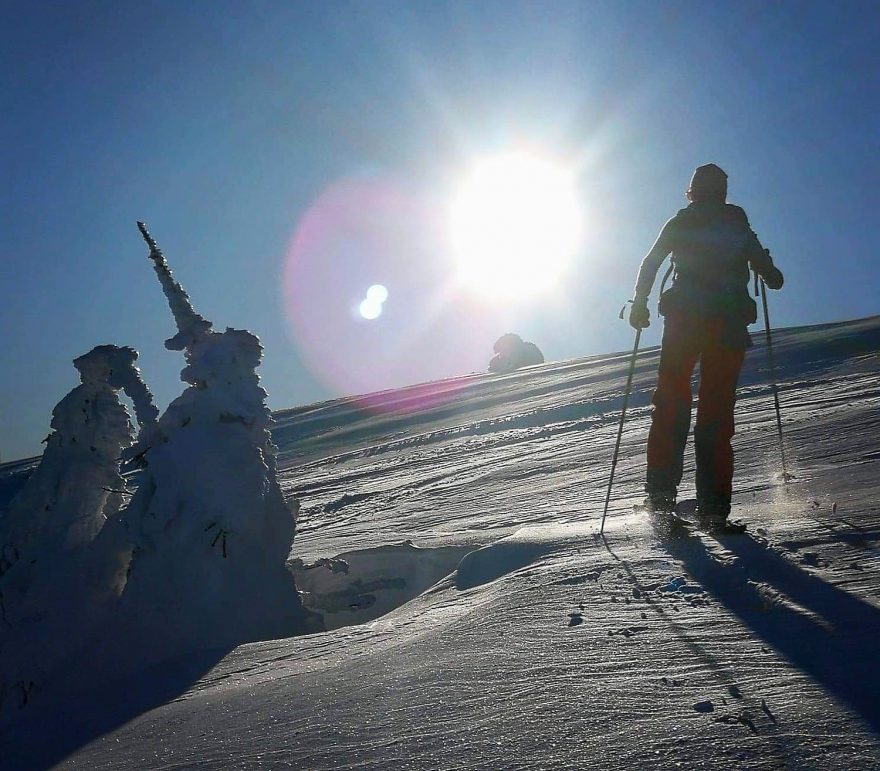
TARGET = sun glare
(515,225)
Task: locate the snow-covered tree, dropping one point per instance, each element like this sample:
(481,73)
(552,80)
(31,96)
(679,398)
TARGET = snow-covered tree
(47,591)
(209,526)
(77,485)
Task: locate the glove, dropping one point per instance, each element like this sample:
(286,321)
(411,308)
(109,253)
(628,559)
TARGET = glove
(774,279)
(639,315)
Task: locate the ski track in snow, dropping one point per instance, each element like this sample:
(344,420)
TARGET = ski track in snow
(549,647)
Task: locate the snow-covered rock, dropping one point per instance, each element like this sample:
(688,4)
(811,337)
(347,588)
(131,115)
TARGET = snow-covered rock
(512,352)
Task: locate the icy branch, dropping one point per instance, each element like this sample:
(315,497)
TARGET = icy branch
(190,325)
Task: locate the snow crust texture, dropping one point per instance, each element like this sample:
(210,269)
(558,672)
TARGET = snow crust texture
(545,646)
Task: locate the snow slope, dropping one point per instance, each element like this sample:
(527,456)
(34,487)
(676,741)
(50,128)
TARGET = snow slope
(526,641)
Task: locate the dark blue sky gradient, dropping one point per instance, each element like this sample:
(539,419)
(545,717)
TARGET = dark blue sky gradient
(220,123)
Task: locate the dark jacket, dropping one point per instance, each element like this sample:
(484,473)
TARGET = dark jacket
(713,247)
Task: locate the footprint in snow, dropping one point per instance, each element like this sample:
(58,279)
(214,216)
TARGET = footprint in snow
(571,581)
(742,718)
(680,585)
(766,710)
(626,631)
(574,580)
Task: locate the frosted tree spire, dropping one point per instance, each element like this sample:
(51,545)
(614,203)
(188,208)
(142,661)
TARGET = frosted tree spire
(190,325)
(208,528)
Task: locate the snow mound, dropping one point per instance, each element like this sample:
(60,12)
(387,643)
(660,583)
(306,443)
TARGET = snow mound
(529,544)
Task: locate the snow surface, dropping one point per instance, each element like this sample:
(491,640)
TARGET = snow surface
(544,646)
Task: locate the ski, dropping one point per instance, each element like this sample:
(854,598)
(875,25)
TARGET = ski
(682,520)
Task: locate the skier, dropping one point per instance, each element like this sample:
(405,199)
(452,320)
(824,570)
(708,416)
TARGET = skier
(707,311)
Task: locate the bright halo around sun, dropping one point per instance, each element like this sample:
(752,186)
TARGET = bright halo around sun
(515,225)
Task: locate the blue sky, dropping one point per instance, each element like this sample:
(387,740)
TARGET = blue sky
(226,125)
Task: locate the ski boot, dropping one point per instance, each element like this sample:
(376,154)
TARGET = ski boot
(660,505)
(712,512)
(660,502)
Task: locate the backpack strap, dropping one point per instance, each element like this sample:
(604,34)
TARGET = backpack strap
(667,275)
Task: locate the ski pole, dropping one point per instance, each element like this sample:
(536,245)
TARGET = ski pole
(629,379)
(773,377)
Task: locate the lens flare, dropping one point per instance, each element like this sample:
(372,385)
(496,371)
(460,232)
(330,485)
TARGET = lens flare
(370,309)
(354,232)
(377,294)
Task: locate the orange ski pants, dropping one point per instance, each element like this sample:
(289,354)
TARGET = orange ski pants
(687,340)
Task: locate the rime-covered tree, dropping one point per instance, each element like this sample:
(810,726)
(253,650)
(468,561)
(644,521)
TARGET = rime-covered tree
(48,594)
(77,485)
(209,526)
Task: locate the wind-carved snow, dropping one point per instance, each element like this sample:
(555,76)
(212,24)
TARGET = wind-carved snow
(359,586)
(549,647)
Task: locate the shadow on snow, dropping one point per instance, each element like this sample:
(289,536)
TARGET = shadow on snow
(837,647)
(43,737)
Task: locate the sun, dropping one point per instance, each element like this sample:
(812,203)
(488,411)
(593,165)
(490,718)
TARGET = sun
(515,225)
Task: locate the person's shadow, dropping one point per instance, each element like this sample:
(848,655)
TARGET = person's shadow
(837,646)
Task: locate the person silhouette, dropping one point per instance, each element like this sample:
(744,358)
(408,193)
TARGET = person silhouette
(706,315)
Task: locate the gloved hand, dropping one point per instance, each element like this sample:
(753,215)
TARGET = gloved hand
(774,279)
(639,315)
